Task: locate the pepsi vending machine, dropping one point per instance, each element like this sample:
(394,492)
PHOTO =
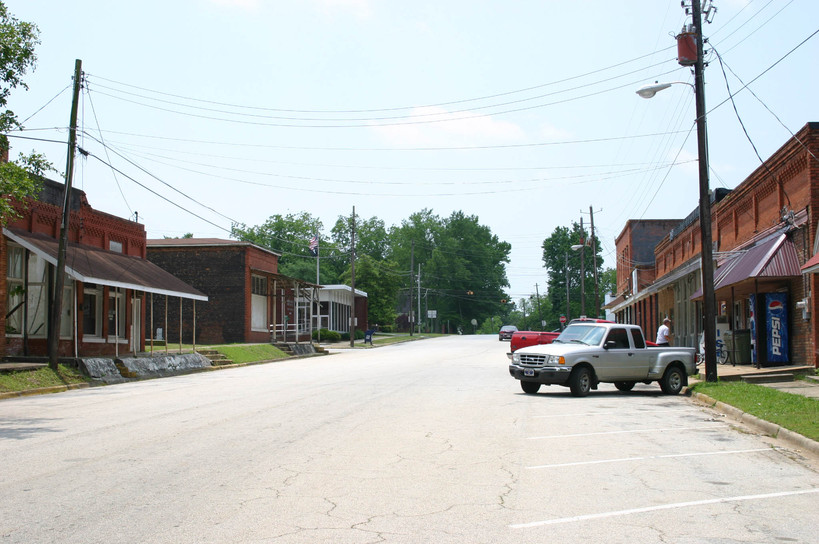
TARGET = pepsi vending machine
(776,327)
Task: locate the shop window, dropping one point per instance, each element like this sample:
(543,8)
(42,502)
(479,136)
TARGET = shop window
(92,311)
(259,304)
(116,314)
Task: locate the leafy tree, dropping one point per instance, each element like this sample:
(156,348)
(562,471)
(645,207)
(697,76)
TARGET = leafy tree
(467,271)
(563,264)
(381,280)
(608,281)
(290,236)
(17,179)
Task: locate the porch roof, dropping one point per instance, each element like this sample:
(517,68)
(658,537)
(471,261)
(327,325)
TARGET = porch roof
(95,265)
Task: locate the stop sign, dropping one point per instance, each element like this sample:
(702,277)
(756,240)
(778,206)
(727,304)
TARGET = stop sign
(562,318)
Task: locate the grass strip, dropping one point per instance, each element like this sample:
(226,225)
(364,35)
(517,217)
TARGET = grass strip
(23,380)
(793,412)
(250,353)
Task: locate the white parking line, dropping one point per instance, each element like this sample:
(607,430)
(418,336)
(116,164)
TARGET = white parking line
(720,425)
(629,459)
(610,413)
(661,507)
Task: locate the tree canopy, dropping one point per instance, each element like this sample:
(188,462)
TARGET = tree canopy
(17,56)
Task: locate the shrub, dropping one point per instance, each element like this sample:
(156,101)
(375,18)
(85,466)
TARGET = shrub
(328,335)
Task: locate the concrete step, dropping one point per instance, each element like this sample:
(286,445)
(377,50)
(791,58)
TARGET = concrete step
(769,378)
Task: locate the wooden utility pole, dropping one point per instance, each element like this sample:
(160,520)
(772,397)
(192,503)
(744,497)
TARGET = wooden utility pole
(594,259)
(411,286)
(59,280)
(708,297)
(352,282)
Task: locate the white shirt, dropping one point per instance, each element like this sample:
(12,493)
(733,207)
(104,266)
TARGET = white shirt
(662,334)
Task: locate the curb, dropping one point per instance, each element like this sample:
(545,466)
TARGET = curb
(43,390)
(770,429)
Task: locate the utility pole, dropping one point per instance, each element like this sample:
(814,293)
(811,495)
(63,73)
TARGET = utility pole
(418,318)
(411,286)
(582,269)
(566,269)
(352,282)
(539,312)
(708,299)
(59,280)
(594,259)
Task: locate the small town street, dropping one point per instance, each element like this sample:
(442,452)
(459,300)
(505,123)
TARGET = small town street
(426,441)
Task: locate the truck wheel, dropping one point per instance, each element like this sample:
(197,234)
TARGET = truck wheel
(624,386)
(530,388)
(672,381)
(580,381)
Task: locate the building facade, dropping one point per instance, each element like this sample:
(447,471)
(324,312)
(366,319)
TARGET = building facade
(764,231)
(108,279)
(249,301)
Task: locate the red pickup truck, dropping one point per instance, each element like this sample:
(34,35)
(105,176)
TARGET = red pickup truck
(521,339)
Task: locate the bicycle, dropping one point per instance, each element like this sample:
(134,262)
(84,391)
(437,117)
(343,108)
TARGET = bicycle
(723,354)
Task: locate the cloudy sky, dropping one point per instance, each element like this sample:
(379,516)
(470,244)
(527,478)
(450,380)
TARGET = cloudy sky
(521,113)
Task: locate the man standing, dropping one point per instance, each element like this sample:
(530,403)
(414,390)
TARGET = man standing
(663,332)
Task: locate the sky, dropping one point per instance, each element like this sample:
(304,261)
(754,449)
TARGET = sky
(198,114)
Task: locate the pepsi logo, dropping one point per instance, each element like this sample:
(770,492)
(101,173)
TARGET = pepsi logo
(775,305)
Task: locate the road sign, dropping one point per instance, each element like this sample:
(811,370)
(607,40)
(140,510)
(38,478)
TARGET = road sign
(562,318)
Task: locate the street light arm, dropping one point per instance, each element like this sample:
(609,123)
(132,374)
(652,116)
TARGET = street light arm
(648,91)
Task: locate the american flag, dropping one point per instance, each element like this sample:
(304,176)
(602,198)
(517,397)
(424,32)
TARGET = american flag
(314,245)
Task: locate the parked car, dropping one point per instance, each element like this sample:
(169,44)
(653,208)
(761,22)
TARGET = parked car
(586,354)
(506,332)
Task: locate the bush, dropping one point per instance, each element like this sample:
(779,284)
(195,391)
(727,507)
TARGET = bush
(328,335)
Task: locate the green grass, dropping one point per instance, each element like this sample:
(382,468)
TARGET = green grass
(250,353)
(793,412)
(44,377)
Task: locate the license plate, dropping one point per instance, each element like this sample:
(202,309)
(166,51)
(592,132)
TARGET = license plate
(528,371)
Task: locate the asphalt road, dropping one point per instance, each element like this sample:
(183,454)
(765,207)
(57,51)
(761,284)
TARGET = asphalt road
(426,441)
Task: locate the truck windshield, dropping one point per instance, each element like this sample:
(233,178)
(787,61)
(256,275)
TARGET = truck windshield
(582,334)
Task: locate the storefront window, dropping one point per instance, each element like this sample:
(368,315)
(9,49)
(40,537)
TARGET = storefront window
(92,311)
(116,314)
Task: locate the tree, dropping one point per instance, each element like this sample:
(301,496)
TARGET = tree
(557,254)
(21,178)
(290,236)
(381,280)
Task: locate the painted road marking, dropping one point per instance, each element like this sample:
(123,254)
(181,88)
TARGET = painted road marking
(630,459)
(631,511)
(712,427)
(617,413)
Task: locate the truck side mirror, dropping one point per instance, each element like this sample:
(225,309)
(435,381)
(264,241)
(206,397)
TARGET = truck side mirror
(610,344)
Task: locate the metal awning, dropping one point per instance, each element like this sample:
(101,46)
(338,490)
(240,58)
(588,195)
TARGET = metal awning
(773,258)
(812,266)
(95,265)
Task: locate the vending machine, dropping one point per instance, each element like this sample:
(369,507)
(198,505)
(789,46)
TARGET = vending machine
(769,329)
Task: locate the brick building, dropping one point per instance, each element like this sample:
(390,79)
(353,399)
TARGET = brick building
(108,279)
(635,268)
(248,298)
(763,231)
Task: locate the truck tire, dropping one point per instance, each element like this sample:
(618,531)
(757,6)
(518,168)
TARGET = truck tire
(580,381)
(624,386)
(530,388)
(672,381)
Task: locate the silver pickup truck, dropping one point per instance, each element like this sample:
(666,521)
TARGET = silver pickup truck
(586,354)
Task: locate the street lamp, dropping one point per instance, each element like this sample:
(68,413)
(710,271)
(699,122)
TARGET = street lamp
(709,301)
